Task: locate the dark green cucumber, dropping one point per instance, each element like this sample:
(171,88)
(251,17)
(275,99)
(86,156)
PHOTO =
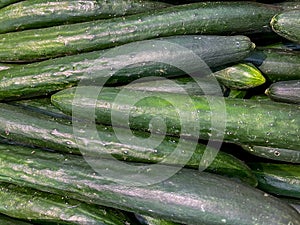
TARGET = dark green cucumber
(285,91)
(278,179)
(287,24)
(279,154)
(5,220)
(51,75)
(40,207)
(148,220)
(283,45)
(198,18)
(30,128)
(4,3)
(245,121)
(46,13)
(189,197)
(277,64)
(240,76)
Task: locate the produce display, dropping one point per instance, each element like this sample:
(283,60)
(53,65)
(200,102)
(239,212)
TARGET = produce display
(149,112)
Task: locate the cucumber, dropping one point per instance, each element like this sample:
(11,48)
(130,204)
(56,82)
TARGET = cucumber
(4,3)
(278,179)
(285,91)
(148,220)
(276,64)
(283,45)
(279,154)
(57,134)
(289,5)
(287,24)
(188,197)
(295,203)
(247,121)
(240,76)
(237,93)
(40,207)
(56,74)
(198,18)
(46,13)
(5,220)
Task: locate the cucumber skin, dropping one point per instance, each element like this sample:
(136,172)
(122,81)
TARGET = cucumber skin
(278,179)
(247,121)
(147,220)
(180,198)
(285,91)
(287,24)
(276,64)
(56,74)
(40,44)
(56,133)
(279,154)
(4,3)
(36,206)
(47,13)
(5,220)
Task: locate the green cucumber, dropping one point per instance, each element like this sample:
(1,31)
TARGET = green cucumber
(277,64)
(283,45)
(46,13)
(278,179)
(247,121)
(188,197)
(294,202)
(279,154)
(198,18)
(287,24)
(285,91)
(52,75)
(288,5)
(148,220)
(50,133)
(5,220)
(240,76)
(4,3)
(36,206)
(237,93)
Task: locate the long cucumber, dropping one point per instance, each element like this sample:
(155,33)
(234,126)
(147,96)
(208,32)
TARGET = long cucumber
(277,64)
(278,179)
(198,18)
(143,60)
(40,207)
(46,13)
(30,128)
(245,121)
(188,197)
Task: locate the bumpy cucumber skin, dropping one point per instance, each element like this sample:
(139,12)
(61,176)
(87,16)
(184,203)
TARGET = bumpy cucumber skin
(276,64)
(31,128)
(46,13)
(287,24)
(240,76)
(198,18)
(29,204)
(278,179)
(279,154)
(188,197)
(247,121)
(285,91)
(56,74)
(5,220)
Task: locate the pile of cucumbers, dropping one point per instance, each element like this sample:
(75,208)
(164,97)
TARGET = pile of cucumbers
(139,112)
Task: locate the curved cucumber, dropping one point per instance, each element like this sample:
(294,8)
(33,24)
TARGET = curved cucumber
(287,24)
(188,197)
(280,154)
(52,75)
(279,179)
(198,18)
(46,13)
(247,121)
(276,64)
(285,91)
(31,128)
(240,76)
(36,206)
